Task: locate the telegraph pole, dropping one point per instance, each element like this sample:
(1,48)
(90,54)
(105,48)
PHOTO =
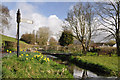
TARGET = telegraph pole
(18,22)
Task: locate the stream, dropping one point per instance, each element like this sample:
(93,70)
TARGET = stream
(79,73)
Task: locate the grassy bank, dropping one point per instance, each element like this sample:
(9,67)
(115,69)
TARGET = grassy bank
(33,65)
(101,65)
(7,38)
(110,63)
(4,38)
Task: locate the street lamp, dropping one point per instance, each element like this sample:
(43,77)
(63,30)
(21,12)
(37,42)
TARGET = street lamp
(18,22)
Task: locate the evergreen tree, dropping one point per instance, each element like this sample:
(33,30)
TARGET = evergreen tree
(66,38)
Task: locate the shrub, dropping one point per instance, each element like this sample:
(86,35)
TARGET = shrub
(9,46)
(66,38)
(107,50)
(91,54)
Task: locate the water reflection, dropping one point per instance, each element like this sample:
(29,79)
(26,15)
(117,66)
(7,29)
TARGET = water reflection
(77,72)
(81,73)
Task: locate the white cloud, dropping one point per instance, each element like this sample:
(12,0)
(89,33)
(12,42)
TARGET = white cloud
(28,11)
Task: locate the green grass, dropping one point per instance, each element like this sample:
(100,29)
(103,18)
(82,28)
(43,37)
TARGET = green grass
(101,65)
(109,62)
(13,67)
(6,38)
(22,44)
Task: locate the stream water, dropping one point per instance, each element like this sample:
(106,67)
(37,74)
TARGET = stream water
(77,72)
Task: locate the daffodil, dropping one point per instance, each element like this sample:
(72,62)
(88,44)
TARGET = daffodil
(35,56)
(48,59)
(26,58)
(32,57)
(26,54)
(38,55)
(45,59)
(7,50)
(10,51)
(42,56)
(21,54)
(21,50)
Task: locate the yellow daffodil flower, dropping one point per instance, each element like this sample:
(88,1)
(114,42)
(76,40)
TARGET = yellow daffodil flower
(26,58)
(42,56)
(21,54)
(26,54)
(10,51)
(45,59)
(48,59)
(7,50)
(32,57)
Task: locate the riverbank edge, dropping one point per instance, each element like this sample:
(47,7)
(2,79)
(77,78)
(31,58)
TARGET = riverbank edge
(100,70)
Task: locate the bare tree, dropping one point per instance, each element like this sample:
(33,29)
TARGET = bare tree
(4,17)
(53,41)
(80,20)
(43,35)
(109,17)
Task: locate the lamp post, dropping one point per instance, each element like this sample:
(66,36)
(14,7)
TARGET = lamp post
(18,22)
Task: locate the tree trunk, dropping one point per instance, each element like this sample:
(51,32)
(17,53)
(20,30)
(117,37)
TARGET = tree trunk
(84,50)
(118,46)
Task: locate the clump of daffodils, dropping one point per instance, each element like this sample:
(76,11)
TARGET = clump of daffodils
(9,51)
(40,57)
